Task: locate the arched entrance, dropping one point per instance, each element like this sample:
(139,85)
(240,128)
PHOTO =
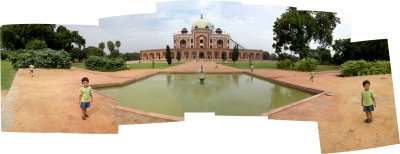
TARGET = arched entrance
(201,55)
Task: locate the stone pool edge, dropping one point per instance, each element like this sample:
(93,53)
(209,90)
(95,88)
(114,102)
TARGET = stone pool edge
(169,118)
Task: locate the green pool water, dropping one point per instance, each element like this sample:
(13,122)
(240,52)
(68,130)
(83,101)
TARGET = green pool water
(224,94)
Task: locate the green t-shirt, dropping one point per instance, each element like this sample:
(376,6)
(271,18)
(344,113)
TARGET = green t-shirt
(85,93)
(367,95)
(31,67)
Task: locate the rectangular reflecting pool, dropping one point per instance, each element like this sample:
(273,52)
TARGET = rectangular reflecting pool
(224,94)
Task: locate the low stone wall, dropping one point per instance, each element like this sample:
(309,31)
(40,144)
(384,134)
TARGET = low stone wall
(125,115)
(7,109)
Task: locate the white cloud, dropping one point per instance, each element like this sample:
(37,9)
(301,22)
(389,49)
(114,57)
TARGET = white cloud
(249,25)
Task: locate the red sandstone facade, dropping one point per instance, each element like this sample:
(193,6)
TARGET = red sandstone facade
(202,43)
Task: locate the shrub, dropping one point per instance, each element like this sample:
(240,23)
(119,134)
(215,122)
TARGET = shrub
(45,58)
(362,67)
(4,55)
(284,56)
(308,64)
(105,64)
(36,45)
(285,64)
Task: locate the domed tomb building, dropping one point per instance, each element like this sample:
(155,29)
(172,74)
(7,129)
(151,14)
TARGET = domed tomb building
(203,42)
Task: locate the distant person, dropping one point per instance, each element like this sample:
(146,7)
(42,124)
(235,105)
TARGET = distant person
(251,67)
(367,101)
(312,74)
(31,67)
(85,97)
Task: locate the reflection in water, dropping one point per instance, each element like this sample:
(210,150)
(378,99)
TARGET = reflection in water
(224,94)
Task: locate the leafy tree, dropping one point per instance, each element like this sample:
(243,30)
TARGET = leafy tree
(367,50)
(322,55)
(265,55)
(93,51)
(115,54)
(16,37)
(168,56)
(273,56)
(178,56)
(78,55)
(235,53)
(342,49)
(294,30)
(36,45)
(283,56)
(77,39)
(131,56)
(102,46)
(111,48)
(223,56)
(118,44)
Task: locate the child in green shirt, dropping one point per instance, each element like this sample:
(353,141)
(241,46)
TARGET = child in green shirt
(368,101)
(31,67)
(85,97)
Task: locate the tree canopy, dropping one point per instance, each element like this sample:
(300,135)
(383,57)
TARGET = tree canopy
(16,37)
(367,50)
(168,55)
(294,30)
(235,53)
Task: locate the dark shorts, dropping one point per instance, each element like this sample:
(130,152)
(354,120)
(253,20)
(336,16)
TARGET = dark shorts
(85,105)
(368,108)
(31,71)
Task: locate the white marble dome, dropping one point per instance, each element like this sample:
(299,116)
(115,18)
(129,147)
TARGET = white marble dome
(201,23)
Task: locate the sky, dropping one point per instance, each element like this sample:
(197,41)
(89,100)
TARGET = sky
(249,25)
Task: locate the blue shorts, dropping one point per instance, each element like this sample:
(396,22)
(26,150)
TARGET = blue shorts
(368,108)
(85,105)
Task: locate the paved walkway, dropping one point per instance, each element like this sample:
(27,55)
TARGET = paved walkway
(48,102)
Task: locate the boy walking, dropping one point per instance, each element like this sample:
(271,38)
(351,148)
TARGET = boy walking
(85,97)
(251,67)
(31,67)
(367,101)
(312,74)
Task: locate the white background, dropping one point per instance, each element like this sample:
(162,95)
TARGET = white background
(200,133)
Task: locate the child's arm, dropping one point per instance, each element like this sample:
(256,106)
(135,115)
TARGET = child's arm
(373,99)
(80,98)
(362,100)
(91,96)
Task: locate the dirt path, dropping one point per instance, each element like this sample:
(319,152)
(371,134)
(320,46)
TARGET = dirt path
(48,102)
(3,94)
(340,117)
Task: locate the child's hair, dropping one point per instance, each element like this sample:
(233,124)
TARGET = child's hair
(85,79)
(366,82)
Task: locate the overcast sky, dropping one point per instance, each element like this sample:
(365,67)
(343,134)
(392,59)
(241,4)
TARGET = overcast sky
(249,25)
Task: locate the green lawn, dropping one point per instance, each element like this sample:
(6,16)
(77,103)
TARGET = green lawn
(136,65)
(258,65)
(148,65)
(78,65)
(7,75)
(245,65)
(326,68)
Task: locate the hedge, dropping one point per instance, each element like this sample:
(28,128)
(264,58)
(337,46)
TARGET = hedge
(308,64)
(105,64)
(362,67)
(285,64)
(44,58)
